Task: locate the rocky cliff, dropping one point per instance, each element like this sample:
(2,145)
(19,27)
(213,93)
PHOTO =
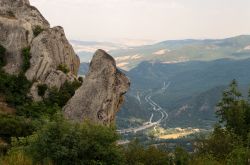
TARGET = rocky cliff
(23,27)
(102,92)
(51,60)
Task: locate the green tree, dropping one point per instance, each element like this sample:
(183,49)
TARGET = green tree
(233,111)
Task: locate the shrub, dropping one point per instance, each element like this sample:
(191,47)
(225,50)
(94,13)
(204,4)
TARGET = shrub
(137,154)
(42,88)
(239,156)
(26,59)
(37,30)
(61,97)
(66,143)
(15,88)
(2,56)
(63,68)
(15,126)
(36,110)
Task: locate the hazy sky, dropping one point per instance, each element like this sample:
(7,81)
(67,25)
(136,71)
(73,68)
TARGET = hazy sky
(109,20)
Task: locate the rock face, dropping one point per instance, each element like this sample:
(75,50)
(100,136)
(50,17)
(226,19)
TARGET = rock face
(17,21)
(102,92)
(48,50)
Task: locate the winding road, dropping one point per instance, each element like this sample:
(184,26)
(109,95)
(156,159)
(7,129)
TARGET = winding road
(155,108)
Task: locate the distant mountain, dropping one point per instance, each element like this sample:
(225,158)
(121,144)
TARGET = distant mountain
(176,51)
(84,67)
(86,49)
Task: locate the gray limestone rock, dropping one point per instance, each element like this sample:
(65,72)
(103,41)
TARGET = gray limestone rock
(102,92)
(17,21)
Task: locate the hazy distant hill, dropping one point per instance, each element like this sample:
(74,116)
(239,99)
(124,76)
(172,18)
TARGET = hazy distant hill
(184,50)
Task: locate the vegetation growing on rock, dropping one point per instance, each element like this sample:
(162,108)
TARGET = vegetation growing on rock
(26,59)
(37,30)
(63,68)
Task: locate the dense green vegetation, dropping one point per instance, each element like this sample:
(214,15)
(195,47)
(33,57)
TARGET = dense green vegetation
(26,59)
(14,88)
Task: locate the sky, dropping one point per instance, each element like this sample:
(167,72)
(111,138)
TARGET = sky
(147,20)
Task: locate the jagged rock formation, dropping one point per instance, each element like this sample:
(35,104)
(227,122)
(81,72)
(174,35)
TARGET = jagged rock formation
(100,96)
(102,92)
(49,49)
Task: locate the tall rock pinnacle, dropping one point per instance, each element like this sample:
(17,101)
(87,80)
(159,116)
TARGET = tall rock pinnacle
(102,92)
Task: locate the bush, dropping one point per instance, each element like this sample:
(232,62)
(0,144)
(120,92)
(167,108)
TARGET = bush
(62,96)
(42,88)
(14,88)
(63,68)
(11,14)
(36,110)
(15,126)
(66,143)
(137,154)
(2,56)
(26,59)
(37,30)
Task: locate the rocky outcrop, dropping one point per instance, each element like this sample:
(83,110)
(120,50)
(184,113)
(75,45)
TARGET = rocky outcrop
(53,62)
(48,49)
(102,92)
(17,21)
